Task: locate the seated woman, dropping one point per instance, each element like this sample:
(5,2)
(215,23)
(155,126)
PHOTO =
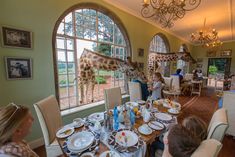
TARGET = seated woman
(15,125)
(180,142)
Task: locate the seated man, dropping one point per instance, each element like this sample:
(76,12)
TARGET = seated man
(178,73)
(179,142)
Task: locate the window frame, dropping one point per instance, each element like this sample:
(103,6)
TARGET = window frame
(166,43)
(100,9)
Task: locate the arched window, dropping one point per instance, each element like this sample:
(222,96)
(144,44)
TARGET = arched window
(160,44)
(95,28)
(180,63)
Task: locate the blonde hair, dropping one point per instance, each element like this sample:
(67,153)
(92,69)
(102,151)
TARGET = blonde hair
(11,116)
(197,126)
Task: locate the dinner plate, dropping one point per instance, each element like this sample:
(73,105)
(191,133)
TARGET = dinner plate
(65,131)
(156,125)
(111,154)
(78,122)
(145,129)
(99,116)
(132,138)
(80,141)
(173,111)
(87,154)
(132,104)
(141,102)
(163,116)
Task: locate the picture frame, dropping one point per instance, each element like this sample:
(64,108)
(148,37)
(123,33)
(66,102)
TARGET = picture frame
(18,68)
(140,52)
(16,38)
(226,53)
(211,53)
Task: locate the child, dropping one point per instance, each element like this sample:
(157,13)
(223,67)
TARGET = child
(157,86)
(197,126)
(179,142)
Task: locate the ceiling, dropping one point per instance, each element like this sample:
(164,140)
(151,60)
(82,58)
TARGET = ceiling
(219,14)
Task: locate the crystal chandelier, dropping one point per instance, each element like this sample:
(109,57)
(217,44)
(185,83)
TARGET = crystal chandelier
(166,13)
(206,37)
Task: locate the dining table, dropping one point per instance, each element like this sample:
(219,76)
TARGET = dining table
(148,139)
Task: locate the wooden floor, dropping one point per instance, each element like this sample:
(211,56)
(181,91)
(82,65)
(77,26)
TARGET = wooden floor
(204,107)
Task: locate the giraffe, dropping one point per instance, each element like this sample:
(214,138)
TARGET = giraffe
(156,58)
(90,60)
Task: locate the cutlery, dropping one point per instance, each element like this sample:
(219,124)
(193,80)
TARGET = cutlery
(157,125)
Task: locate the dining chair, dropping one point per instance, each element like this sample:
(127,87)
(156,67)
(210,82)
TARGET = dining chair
(218,125)
(228,103)
(188,77)
(50,120)
(134,91)
(168,82)
(208,148)
(112,97)
(175,82)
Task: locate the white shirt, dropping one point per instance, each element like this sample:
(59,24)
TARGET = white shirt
(157,88)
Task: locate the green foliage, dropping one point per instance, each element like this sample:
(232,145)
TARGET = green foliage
(212,69)
(100,80)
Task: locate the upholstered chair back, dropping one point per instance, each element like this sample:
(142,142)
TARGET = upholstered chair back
(168,82)
(175,82)
(218,125)
(208,148)
(112,97)
(50,120)
(134,91)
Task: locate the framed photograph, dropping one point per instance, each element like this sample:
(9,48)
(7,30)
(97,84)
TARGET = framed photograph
(226,53)
(16,38)
(18,68)
(211,53)
(140,52)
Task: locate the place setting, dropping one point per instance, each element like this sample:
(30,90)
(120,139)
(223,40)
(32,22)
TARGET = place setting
(125,140)
(81,144)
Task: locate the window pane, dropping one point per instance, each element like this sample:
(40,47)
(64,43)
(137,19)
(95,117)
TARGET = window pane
(61,29)
(71,79)
(62,68)
(81,44)
(61,56)
(70,44)
(68,19)
(69,29)
(64,103)
(60,43)
(104,48)
(73,101)
(63,82)
(70,56)
(71,68)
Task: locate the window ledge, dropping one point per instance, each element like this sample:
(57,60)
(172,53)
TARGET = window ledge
(84,107)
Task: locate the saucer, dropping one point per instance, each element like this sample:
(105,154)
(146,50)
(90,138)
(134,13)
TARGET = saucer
(145,129)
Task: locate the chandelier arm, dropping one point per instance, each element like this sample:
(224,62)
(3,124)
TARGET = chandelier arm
(193,3)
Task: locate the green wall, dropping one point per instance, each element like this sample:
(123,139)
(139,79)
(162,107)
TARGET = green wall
(40,16)
(200,52)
